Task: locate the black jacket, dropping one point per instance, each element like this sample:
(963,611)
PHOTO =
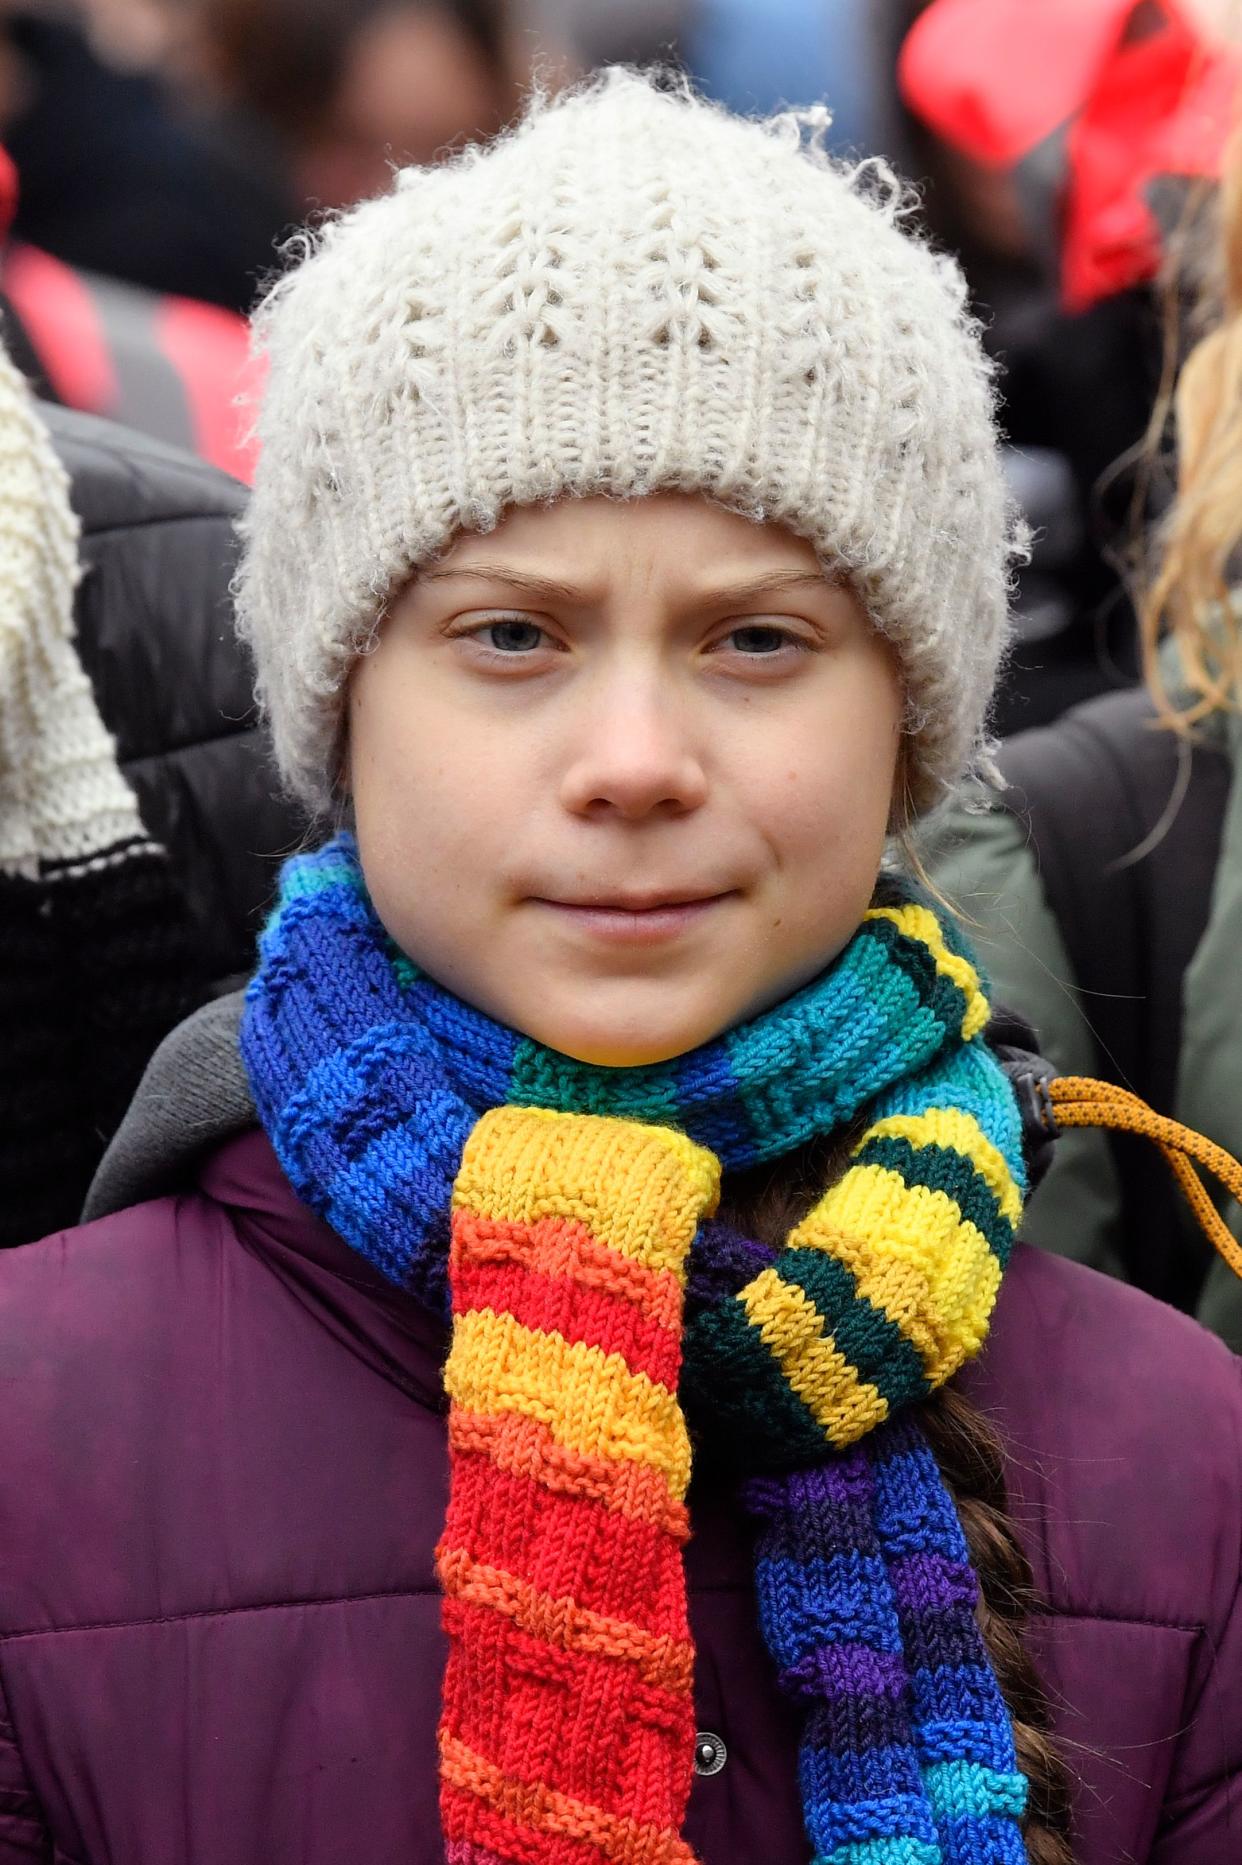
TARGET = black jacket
(155,634)
(97,965)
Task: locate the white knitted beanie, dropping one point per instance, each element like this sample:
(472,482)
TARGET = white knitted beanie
(633,291)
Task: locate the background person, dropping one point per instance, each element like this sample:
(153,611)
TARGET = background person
(1107,882)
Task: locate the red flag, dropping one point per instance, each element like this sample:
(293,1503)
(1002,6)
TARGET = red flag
(1132,89)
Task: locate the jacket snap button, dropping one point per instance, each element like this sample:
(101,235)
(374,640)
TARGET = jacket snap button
(710,1753)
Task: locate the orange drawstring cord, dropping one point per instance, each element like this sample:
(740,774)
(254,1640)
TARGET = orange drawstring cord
(1078,1101)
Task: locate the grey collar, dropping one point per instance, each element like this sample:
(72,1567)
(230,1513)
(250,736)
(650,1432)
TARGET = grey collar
(193,1095)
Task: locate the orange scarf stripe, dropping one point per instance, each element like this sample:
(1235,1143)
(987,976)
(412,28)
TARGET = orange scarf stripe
(536,1808)
(561,1246)
(663,1662)
(523,1446)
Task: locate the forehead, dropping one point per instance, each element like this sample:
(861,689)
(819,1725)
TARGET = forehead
(673,539)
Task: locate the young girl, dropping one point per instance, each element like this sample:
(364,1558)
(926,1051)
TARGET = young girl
(628,563)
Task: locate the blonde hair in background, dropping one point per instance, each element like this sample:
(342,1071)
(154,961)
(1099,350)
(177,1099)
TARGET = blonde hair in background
(1189,595)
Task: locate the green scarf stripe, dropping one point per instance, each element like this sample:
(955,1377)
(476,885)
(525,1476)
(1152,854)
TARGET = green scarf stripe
(542,1078)
(870,1339)
(946,1001)
(753,1407)
(944,1169)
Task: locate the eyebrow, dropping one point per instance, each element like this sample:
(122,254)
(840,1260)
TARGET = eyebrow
(771,583)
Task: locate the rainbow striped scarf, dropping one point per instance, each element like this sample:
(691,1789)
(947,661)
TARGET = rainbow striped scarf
(563,1215)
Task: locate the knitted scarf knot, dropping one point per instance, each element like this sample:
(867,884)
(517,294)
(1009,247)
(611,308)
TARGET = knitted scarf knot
(562,1216)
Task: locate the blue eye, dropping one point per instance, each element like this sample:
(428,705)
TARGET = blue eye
(759,639)
(513,637)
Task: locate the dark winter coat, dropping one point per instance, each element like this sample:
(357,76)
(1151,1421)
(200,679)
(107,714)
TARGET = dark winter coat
(222,1477)
(155,634)
(96,967)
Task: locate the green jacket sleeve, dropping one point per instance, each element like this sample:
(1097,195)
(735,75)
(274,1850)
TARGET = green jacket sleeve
(984,867)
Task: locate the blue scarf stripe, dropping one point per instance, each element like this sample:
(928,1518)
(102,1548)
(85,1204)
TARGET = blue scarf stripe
(969,1083)
(919,1517)
(717,1118)
(481,1064)
(882,1852)
(834,1601)
(901,1817)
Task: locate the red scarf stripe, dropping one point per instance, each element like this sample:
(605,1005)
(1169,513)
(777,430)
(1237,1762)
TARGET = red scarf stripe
(563,1721)
(515,1443)
(496,1515)
(563,1246)
(538,1809)
(557,1305)
(663,1660)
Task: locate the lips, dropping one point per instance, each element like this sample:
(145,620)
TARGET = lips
(639,903)
(648,919)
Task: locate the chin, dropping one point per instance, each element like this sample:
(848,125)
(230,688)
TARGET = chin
(604,1046)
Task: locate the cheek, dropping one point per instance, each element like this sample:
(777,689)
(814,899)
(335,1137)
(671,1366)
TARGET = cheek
(831,790)
(416,794)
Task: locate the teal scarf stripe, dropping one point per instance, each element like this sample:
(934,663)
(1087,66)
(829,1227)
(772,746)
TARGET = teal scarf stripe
(968,1082)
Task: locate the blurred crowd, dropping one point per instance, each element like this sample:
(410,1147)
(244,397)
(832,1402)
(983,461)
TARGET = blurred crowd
(156,156)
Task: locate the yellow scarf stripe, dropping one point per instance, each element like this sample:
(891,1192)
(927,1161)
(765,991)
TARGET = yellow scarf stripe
(639,1190)
(951,1126)
(589,1400)
(912,1255)
(842,1403)
(919,922)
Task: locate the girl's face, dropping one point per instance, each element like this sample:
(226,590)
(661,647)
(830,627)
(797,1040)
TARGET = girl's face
(622,772)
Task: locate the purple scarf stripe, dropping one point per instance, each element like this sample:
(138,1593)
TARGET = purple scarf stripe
(845,1670)
(929,1582)
(939,1638)
(722,1262)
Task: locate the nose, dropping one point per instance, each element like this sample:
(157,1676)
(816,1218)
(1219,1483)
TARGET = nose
(634,756)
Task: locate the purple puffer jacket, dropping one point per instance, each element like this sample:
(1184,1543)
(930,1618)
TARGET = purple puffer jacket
(222,1477)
